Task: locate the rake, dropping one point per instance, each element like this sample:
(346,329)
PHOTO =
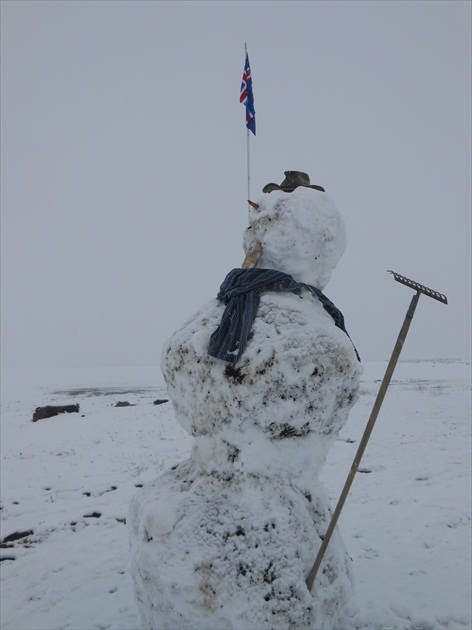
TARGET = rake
(419,288)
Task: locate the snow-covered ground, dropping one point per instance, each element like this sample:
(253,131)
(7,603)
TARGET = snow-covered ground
(67,482)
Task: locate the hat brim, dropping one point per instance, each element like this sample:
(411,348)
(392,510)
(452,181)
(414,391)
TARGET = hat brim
(268,188)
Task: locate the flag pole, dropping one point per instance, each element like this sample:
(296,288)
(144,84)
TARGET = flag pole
(248,159)
(248,175)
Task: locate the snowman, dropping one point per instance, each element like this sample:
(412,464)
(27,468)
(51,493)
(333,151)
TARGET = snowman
(263,378)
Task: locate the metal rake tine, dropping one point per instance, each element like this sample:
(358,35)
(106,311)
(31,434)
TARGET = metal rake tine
(419,287)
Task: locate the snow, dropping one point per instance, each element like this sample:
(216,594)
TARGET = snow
(406,524)
(302,233)
(224,515)
(248,504)
(269,390)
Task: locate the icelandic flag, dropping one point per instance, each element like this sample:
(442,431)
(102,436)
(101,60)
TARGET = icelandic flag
(247,97)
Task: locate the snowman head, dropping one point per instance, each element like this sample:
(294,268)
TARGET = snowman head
(302,233)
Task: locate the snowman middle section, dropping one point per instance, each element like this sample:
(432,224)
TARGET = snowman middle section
(278,409)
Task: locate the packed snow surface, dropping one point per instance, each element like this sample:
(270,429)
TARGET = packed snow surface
(69,480)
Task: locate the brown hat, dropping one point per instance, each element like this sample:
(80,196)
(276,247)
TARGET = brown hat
(293,179)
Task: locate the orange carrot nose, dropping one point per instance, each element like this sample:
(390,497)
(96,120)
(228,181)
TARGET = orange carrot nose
(254,205)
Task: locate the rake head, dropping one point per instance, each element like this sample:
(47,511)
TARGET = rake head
(419,287)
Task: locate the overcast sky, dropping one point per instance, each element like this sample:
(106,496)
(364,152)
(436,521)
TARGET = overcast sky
(123,191)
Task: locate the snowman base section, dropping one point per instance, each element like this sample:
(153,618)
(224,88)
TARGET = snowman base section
(232,551)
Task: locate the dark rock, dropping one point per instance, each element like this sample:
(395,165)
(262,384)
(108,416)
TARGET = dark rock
(160,401)
(124,403)
(17,536)
(49,411)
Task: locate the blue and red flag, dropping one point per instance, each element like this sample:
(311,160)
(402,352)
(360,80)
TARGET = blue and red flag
(247,97)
